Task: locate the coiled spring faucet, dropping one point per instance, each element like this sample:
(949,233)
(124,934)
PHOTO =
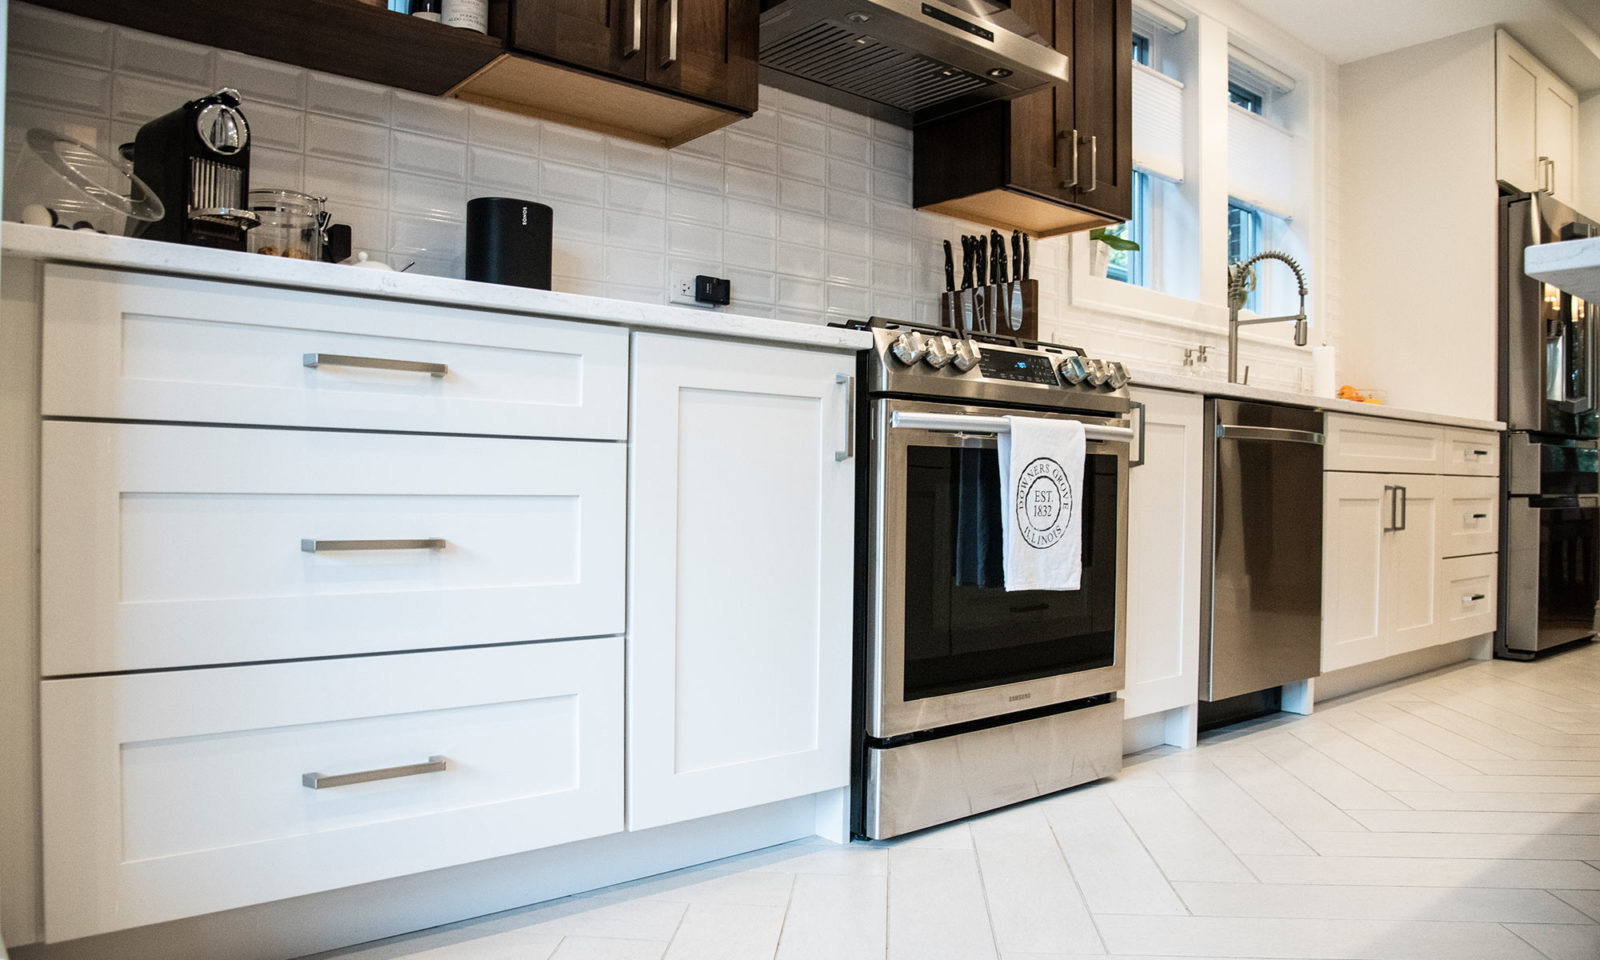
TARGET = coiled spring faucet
(1238,290)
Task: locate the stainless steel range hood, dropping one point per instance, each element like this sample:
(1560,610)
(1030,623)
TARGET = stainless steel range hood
(903,61)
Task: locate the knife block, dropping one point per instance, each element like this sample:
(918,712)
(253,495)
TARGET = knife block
(1002,309)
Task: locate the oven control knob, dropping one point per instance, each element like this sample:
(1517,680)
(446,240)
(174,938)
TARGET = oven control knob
(941,350)
(966,355)
(1099,372)
(1074,369)
(908,348)
(1119,375)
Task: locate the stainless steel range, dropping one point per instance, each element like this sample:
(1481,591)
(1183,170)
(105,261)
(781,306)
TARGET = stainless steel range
(970,697)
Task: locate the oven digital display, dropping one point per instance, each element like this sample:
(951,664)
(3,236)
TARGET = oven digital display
(1026,367)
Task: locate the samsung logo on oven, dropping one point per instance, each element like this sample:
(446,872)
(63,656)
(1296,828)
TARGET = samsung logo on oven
(1019,696)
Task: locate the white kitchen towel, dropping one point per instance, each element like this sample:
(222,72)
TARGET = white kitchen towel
(1041,484)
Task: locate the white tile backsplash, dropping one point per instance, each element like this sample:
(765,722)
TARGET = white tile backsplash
(806,208)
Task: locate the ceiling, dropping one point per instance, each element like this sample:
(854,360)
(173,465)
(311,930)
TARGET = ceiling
(1563,33)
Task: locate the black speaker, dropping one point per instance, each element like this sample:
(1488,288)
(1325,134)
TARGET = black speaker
(508,241)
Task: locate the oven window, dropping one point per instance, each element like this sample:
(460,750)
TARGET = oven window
(963,631)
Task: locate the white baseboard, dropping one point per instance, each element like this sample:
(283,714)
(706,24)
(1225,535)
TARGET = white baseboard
(340,918)
(1365,676)
(1173,728)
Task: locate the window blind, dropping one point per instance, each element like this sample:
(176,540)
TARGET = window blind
(1157,123)
(1260,162)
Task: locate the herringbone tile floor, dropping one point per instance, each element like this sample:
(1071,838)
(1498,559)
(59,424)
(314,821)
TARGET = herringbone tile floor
(1452,816)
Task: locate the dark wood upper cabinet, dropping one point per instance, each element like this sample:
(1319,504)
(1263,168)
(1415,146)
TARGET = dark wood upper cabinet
(1053,160)
(705,49)
(606,36)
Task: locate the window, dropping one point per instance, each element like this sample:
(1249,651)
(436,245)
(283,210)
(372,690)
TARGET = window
(1244,97)
(1244,241)
(1132,266)
(1141,49)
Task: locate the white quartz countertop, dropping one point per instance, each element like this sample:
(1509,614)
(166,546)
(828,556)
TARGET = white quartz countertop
(1571,265)
(65,246)
(1234,391)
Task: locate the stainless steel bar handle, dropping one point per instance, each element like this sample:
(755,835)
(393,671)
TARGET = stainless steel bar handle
(1544,176)
(1388,491)
(636,36)
(1405,501)
(1472,598)
(323,781)
(1094,163)
(330,546)
(1138,461)
(343,360)
(672,33)
(1069,184)
(849,418)
(965,423)
(1230,432)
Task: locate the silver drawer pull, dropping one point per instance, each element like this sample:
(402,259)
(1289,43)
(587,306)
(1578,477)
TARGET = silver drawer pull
(326,546)
(322,781)
(1472,598)
(341,360)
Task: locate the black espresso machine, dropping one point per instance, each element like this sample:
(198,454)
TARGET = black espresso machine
(197,160)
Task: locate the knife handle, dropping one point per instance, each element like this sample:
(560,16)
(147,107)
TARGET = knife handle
(1016,254)
(949,268)
(980,254)
(1027,268)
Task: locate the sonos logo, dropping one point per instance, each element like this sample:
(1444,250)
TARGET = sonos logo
(524,216)
(1019,696)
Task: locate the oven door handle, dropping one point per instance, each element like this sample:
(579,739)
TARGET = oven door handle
(967,423)
(1230,432)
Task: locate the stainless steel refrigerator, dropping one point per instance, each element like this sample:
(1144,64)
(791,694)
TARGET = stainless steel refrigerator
(1550,498)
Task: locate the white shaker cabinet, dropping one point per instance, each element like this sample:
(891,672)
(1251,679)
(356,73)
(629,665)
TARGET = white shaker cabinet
(1536,123)
(740,569)
(1164,555)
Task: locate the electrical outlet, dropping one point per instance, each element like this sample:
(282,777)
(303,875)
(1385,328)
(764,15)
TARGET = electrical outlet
(680,290)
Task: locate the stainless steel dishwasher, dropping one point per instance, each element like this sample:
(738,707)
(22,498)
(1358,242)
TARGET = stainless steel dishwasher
(1261,609)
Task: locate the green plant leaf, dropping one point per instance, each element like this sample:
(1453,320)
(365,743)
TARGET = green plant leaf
(1112,240)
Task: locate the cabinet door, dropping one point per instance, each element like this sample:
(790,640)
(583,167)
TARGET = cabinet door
(607,36)
(1557,134)
(704,49)
(1164,554)
(1411,567)
(1102,70)
(1042,121)
(1516,109)
(740,572)
(1356,510)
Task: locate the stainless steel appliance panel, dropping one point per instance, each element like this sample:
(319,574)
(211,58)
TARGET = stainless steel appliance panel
(1262,609)
(1553,566)
(891,711)
(920,784)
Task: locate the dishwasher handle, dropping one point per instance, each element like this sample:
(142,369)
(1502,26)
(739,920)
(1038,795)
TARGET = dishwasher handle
(1282,434)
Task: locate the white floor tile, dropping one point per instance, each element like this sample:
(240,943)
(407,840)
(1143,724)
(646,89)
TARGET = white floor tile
(936,906)
(1378,768)
(1511,846)
(1296,805)
(1341,786)
(1586,900)
(1510,801)
(1428,872)
(1243,824)
(1375,903)
(724,931)
(835,917)
(1113,869)
(1478,821)
(1313,939)
(1181,843)
(1560,942)
(603,948)
(1035,905)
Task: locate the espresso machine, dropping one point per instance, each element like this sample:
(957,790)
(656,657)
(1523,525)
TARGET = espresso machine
(197,160)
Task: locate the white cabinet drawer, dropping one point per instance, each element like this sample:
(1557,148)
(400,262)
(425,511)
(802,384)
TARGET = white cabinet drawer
(136,346)
(177,545)
(1471,452)
(174,794)
(1467,596)
(1470,521)
(1370,444)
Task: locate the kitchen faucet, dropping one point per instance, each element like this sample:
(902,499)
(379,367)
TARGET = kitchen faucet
(1237,291)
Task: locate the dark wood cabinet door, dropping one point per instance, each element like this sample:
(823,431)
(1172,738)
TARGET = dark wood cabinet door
(606,36)
(1041,121)
(1102,52)
(704,49)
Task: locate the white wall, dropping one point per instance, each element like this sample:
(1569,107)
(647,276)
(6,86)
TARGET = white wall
(1589,156)
(1418,222)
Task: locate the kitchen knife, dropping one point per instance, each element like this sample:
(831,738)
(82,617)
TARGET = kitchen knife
(966,262)
(949,268)
(1016,254)
(997,255)
(980,256)
(1027,271)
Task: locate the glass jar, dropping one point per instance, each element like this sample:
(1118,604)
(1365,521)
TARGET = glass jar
(292,224)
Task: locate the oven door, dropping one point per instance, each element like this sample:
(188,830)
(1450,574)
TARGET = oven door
(949,644)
